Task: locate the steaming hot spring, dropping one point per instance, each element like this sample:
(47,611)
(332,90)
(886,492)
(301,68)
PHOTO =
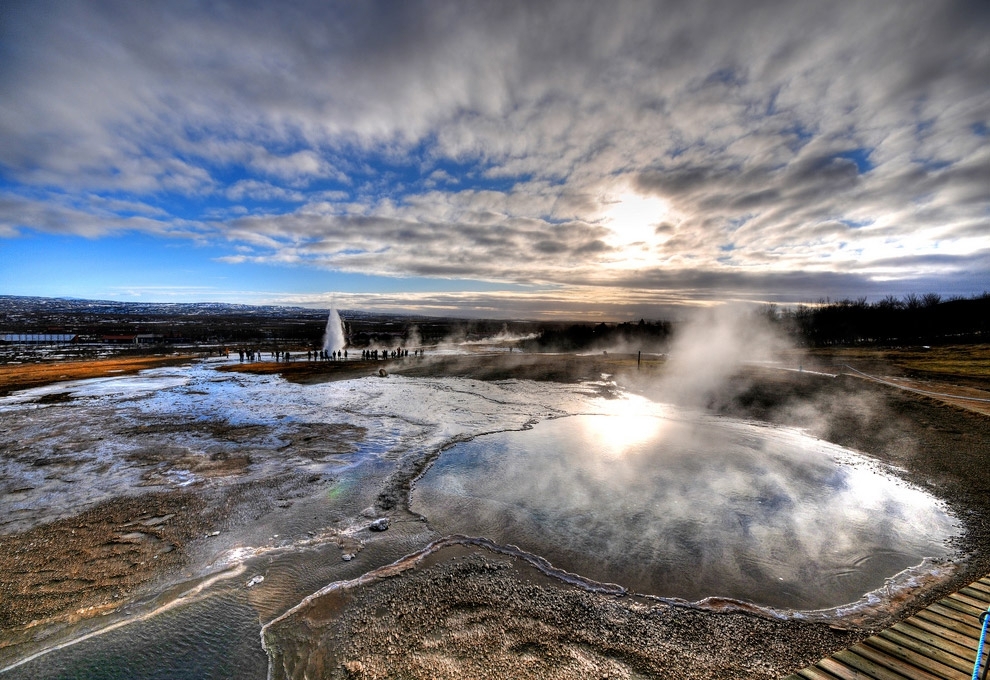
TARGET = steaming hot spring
(660,499)
(676,504)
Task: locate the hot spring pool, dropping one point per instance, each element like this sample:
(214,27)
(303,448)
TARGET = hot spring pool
(675,504)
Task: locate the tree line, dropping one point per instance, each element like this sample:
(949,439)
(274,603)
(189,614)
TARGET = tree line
(927,319)
(650,336)
(913,319)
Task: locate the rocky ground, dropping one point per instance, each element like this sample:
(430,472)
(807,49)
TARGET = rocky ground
(83,565)
(473,612)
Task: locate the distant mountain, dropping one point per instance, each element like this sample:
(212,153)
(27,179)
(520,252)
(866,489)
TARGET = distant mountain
(68,305)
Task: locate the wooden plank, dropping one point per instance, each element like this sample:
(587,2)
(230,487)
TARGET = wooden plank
(888,661)
(937,643)
(977,595)
(912,628)
(972,602)
(959,627)
(980,585)
(899,665)
(914,660)
(961,606)
(838,665)
(837,670)
(957,641)
(869,664)
(929,651)
(961,618)
(985,596)
(812,673)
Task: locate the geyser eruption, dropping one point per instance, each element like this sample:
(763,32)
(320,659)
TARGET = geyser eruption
(333,338)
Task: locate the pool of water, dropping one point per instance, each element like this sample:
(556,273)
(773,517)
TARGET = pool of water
(675,504)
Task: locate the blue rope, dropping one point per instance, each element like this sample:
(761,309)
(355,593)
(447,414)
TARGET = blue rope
(985,620)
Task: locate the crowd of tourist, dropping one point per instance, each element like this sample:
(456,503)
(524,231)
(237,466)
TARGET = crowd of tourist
(281,356)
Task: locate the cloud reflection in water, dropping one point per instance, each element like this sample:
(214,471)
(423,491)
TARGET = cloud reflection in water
(681,505)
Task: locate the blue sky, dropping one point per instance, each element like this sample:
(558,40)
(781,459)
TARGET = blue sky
(553,159)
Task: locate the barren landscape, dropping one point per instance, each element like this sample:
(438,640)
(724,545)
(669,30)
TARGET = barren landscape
(467,606)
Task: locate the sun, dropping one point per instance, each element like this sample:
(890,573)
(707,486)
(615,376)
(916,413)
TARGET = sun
(633,218)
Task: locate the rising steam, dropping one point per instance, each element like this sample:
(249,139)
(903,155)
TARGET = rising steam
(712,347)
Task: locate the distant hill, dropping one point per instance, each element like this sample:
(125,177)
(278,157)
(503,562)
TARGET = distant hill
(12,304)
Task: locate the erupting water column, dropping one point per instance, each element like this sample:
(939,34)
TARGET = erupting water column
(333,339)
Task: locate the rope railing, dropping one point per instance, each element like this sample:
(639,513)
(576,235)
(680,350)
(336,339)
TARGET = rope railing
(985,620)
(927,393)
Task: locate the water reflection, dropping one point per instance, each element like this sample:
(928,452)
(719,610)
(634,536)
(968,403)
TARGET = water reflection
(620,434)
(686,506)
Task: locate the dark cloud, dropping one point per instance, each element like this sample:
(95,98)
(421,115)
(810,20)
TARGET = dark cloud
(596,246)
(682,181)
(550,247)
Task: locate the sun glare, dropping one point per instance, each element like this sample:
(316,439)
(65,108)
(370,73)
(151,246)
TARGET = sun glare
(634,218)
(625,424)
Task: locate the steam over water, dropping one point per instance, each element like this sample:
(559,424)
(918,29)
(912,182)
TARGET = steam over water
(680,505)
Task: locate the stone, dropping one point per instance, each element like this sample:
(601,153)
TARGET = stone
(380,524)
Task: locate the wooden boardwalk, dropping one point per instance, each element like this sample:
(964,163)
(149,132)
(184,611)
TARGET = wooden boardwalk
(937,643)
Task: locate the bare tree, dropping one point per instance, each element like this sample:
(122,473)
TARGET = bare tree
(890,302)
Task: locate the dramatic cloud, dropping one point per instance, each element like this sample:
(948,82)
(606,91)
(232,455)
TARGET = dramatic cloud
(597,151)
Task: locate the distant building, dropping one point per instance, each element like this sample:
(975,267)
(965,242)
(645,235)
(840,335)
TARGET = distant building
(38,338)
(119,339)
(149,338)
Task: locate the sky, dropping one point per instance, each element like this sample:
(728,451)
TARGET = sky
(601,160)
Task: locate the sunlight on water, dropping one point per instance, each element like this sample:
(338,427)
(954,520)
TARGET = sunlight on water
(627,427)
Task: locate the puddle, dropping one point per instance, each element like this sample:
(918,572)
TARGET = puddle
(678,505)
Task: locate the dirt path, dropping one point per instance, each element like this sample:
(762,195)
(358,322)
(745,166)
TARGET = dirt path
(968,398)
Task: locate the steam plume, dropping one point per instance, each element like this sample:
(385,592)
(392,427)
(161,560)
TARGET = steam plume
(333,338)
(711,348)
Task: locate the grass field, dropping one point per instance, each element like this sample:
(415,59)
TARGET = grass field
(969,363)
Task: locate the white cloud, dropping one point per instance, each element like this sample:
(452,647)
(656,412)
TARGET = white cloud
(486,140)
(262,191)
(63,215)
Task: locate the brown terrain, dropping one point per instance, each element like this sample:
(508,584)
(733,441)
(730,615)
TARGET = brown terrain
(25,376)
(79,567)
